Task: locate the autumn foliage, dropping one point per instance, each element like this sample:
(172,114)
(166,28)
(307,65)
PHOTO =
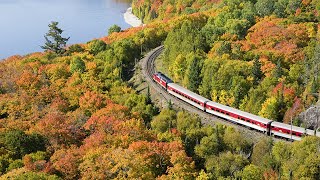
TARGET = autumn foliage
(77,116)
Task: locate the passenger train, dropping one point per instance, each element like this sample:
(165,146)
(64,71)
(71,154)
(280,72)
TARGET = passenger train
(267,126)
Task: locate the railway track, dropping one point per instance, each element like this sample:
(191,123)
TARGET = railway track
(148,69)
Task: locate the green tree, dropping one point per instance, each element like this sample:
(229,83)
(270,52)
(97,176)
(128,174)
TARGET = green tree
(280,8)
(191,130)
(252,172)
(170,104)
(148,100)
(193,72)
(75,48)
(237,27)
(77,65)
(21,144)
(164,121)
(15,165)
(278,72)
(210,145)
(236,142)
(36,176)
(261,155)
(292,6)
(264,7)
(114,28)
(256,71)
(4,163)
(305,159)
(226,165)
(54,41)
(96,46)
(315,69)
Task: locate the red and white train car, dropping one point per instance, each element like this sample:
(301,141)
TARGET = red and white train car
(187,96)
(161,79)
(234,115)
(284,130)
(239,117)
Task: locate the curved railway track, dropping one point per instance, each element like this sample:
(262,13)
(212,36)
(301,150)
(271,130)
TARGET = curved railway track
(148,69)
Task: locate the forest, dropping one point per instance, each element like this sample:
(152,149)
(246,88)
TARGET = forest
(256,55)
(75,115)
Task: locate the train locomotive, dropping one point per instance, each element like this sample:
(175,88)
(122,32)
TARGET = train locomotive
(267,126)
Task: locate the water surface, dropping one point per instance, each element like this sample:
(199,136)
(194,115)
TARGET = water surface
(23,23)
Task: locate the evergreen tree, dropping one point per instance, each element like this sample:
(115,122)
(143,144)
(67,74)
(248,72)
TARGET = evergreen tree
(278,71)
(170,105)
(148,101)
(114,28)
(264,7)
(54,41)
(314,86)
(281,104)
(238,95)
(256,71)
(315,62)
(194,72)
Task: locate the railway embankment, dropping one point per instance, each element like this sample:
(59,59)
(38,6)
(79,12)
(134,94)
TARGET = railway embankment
(143,80)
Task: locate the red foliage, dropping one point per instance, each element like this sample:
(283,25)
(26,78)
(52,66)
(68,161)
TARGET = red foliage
(107,116)
(269,35)
(96,139)
(39,165)
(295,110)
(67,161)
(92,101)
(58,128)
(266,65)
(286,90)
(28,80)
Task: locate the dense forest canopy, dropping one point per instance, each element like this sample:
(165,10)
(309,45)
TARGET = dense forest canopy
(76,116)
(259,56)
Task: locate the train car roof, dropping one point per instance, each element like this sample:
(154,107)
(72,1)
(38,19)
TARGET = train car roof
(188,92)
(168,80)
(288,126)
(239,112)
(310,132)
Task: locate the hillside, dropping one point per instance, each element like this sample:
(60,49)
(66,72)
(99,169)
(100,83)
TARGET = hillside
(76,116)
(257,56)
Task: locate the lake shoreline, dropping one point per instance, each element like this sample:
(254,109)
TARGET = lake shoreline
(131,19)
(81,20)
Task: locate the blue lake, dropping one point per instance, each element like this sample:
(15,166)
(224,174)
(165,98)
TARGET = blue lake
(23,23)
